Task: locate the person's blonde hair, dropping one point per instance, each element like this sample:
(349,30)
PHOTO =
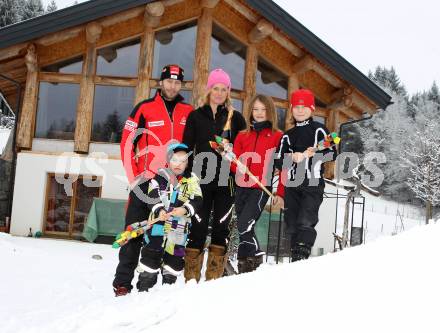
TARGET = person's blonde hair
(204,100)
(271,113)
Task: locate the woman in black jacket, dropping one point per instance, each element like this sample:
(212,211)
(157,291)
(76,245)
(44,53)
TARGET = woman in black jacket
(214,117)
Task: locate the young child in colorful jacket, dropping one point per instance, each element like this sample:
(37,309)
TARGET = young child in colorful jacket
(174,196)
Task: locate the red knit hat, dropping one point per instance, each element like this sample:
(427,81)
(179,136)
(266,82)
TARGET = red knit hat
(303,97)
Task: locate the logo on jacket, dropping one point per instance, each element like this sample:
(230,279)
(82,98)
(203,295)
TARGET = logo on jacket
(183,121)
(130,125)
(156,123)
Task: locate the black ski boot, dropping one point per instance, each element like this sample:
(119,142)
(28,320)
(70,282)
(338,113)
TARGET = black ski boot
(146,281)
(249,264)
(300,251)
(168,277)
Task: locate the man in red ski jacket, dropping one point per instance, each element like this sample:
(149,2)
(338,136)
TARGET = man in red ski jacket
(151,126)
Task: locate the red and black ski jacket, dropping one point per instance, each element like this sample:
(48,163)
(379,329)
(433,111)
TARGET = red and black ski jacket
(256,149)
(147,133)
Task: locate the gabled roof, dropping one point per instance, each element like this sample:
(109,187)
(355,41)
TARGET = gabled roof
(92,10)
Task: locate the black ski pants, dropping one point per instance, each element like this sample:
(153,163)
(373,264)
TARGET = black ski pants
(301,216)
(249,204)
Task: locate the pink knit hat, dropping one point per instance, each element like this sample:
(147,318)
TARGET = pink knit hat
(218,76)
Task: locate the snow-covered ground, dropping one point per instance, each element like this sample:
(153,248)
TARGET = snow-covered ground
(390,285)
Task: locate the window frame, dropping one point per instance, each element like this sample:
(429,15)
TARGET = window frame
(80,177)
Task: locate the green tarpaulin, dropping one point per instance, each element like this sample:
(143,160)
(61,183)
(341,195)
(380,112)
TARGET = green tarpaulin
(106,218)
(262,228)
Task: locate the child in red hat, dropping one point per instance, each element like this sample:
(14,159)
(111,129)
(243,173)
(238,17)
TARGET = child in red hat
(302,173)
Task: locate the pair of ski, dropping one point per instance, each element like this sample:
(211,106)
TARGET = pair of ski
(133,230)
(226,152)
(137,229)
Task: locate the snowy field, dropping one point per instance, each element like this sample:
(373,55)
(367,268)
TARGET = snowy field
(382,216)
(390,285)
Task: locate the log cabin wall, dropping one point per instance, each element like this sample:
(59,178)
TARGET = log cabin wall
(81,63)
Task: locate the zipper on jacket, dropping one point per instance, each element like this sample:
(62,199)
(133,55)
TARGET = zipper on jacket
(171,120)
(255,147)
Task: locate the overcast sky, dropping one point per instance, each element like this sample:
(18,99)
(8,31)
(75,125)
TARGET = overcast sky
(403,34)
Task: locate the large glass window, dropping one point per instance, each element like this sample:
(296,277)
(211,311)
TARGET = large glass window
(119,60)
(281,115)
(67,214)
(112,106)
(229,54)
(270,81)
(186,94)
(319,119)
(175,46)
(70,66)
(237,104)
(56,110)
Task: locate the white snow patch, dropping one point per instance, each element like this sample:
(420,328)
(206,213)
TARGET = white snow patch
(391,285)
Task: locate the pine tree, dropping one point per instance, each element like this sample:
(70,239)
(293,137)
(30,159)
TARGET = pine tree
(422,158)
(387,131)
(51,7)
(30,9)
(388,79)
(112,127)
(433,93)
(8,12)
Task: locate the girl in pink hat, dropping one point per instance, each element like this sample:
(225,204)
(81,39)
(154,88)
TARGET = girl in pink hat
(214,117)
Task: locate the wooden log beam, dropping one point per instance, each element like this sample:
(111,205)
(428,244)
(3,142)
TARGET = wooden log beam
(153,13)
(333,121)
(350,113)
(121,17)
(59,77)
(321,112)
(203,50)
(209,3)
(28,111)
(327,75)
(11,65)
(286,43)
(275,35)
(243,10)
(59,36)
(262,29)
(308,63)
(363,104)
(116,81)
(152,17)
(250,75)
(84,113)
(293,85)
(12,51)
(305,64)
